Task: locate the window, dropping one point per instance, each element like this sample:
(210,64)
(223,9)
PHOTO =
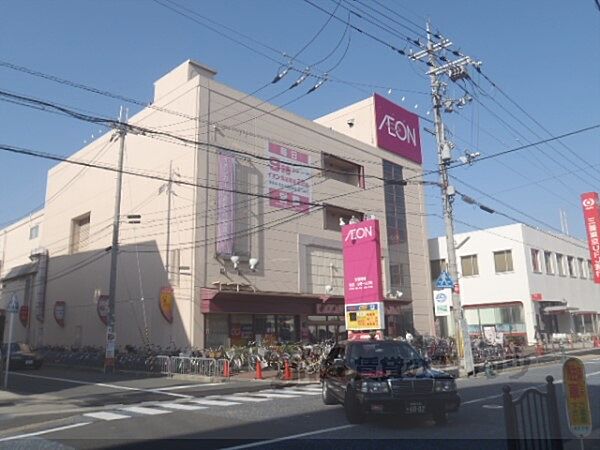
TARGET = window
(503,261)
(469,265)
(34,232)
(549,263)
(571,266)
(80,233)
(535,260)
(341,170)
(581,267)
(560,263)
(333,214)
(590,270)
(437,267)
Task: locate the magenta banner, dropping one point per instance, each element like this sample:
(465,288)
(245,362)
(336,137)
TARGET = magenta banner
(226,205)
(397,129)
(362,262)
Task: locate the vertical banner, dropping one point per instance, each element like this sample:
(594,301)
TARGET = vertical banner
(24,315)
(59,313)
(442,301)
(288,184)
(397,129)
(591,215)
(226,204)
(102,308)
(166,301)
(363,289)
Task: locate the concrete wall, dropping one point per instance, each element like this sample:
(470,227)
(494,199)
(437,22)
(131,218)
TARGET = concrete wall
(15,242)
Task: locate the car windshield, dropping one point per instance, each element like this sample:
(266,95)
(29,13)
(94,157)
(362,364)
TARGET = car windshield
(16,347)
(392,357)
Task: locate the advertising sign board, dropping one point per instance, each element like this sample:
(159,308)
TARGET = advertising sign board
(591,214)
(362,262)
(397,130)
(442,301)
(288,184)
(365,316)
(577,399)
(226,204)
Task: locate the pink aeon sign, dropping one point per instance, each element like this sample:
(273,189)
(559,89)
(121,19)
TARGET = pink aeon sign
(362,262)
(397,129)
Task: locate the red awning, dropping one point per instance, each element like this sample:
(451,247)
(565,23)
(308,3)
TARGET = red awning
(221,301)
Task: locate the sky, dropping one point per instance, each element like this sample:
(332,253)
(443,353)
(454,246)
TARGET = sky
(543,54)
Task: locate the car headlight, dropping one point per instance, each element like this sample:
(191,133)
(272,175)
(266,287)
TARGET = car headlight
(374,387)
(448,385)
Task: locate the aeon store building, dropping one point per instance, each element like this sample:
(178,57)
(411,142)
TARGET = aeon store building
(254,248)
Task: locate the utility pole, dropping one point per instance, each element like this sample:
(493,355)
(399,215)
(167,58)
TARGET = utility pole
(455,70)
(111,338)
(168,187)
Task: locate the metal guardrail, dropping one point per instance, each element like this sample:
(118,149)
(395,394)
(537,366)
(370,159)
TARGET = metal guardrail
(186,365)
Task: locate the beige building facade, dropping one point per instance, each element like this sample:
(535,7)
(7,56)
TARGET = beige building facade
(239,206)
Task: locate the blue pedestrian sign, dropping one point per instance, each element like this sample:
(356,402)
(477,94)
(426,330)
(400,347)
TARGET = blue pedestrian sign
(444,281)
(13,305)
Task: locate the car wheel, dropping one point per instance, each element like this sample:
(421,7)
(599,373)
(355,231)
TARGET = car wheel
(440,418)
(352,408)
(326,394)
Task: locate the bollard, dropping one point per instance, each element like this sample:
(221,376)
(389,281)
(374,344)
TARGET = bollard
(287,373)
(259,375)
(226,372)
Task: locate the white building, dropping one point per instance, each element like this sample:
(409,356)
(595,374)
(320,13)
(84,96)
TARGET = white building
(515,278)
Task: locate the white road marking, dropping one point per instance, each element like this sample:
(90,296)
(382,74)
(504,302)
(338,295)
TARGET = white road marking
(492,406)
(309,389)
(272,395)
(294,391)
(186,386)
(241,398)
(181,406)
(107,385)
(288,438)
(38,433)
(106,416)
(145,410)
(213,402)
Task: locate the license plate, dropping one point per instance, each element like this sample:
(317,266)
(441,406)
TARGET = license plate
(29,362)
(414,408)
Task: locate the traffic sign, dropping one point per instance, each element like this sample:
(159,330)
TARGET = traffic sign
(13,304)
(444,281)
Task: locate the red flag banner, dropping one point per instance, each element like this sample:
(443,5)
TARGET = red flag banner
(591,215)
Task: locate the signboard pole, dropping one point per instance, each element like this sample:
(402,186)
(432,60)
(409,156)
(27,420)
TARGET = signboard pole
(12,309)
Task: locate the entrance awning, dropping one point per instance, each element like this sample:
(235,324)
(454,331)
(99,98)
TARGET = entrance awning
(249,302)
(559,309)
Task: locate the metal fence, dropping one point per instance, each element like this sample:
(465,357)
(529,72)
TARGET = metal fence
(532,420)
(186,365)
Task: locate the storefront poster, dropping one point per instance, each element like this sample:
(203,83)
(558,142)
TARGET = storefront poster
(489,333)
(442,302)
(102,308)
(226,204)
(591,214)
(24,315)
(397,129)
(59,312)
(288,180)
(166,303)
(362,262)
(577,399)
(365,316)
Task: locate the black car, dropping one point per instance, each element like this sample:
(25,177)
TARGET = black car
(21,356)
(385,376)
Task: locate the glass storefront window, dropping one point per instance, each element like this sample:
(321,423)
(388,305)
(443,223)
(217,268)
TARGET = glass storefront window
(506,319)
(241,330)
(264,329)
(217,330)
(286,328)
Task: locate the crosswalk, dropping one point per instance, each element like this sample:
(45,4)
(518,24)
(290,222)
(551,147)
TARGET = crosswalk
(203,403)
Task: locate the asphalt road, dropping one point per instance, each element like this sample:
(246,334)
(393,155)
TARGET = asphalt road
(85,411)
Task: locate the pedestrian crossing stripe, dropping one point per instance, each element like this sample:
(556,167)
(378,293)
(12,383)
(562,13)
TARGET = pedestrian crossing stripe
(145,410)
(272,395)
(181,406)
(290,391)
(102,415)
(243,398)
(214,402)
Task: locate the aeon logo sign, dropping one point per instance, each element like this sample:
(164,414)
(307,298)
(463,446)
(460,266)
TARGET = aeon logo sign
(399,129)
(356,234)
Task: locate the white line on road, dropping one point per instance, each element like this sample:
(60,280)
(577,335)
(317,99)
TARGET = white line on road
(293,391)
(272,395)
(186,386)
(212,402)
(107,385)
(145,410)
(38,433)
(287,438)
(492,406)
(241,398)
(180,406)
(106,416)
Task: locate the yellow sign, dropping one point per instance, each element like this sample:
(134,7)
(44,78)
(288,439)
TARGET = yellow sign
(166,303)
(577,399)
(364,316)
